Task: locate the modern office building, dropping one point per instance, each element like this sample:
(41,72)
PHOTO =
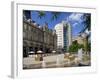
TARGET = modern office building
(64,35)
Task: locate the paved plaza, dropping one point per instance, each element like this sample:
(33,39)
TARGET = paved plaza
(53,61)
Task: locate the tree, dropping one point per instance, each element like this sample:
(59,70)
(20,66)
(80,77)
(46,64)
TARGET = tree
(86,22)
(89,47)
(55,15)
(75,46)
(87,26)
(41,14)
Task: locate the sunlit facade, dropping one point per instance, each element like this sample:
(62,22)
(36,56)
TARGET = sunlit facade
(64,35)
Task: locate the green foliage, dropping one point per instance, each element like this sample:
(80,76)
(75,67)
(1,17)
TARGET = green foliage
(86,22)
(75,46)
(55,15)
(80,46)
(89,47)
(41,14)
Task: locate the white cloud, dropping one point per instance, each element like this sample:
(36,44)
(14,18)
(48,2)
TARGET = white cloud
(75,17)
(74,24)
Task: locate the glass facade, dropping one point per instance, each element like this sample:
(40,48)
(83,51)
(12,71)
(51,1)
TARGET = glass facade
(65,38)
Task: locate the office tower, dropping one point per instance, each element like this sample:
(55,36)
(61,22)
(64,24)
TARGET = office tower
(64,35)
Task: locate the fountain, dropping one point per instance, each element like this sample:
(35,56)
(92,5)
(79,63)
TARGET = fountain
(43,64)
(80,55)
(57,61)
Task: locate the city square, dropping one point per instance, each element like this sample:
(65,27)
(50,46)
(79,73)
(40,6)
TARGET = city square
(56,39)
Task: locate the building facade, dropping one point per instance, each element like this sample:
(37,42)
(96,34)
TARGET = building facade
(79,39)
(35,38)
(64,35)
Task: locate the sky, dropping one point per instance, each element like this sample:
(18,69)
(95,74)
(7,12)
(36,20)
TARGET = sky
(75,20)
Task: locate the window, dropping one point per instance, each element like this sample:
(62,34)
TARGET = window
(29,28)
(25,26)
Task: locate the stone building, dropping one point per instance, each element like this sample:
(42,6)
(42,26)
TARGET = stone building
(38,38)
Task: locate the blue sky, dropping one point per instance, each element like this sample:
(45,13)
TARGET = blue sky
(75,20)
